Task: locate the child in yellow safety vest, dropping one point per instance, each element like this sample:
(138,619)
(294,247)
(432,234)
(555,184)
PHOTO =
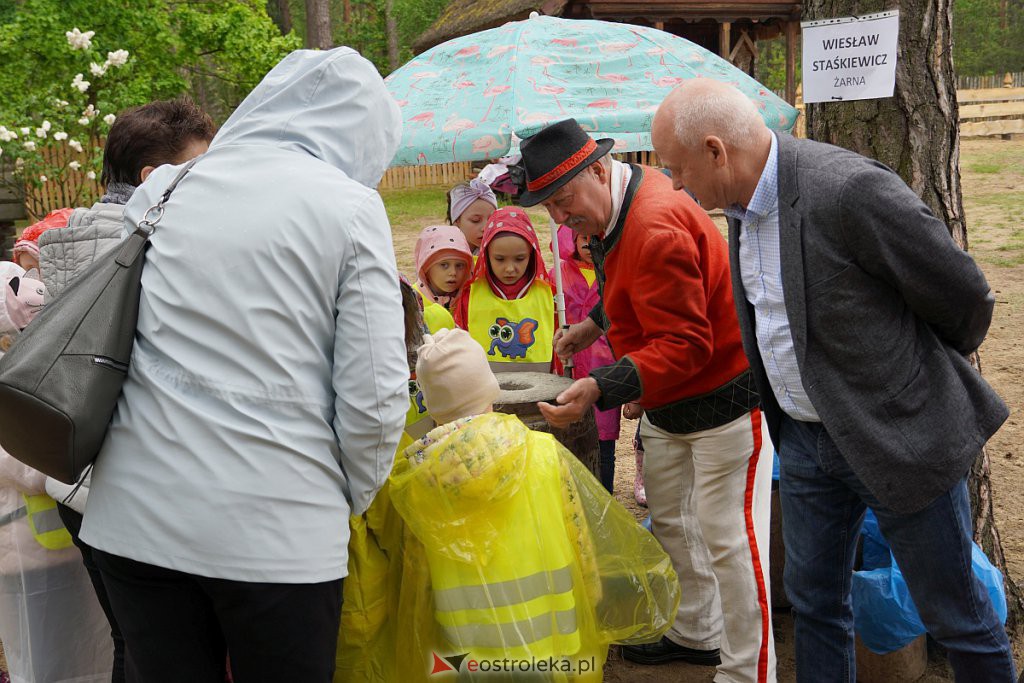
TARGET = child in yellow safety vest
(529,559)
(508,305)
(443,264)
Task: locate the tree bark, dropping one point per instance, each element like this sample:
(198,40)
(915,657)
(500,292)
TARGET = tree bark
(915,133)
(318,25)
(391,26)
(281,13)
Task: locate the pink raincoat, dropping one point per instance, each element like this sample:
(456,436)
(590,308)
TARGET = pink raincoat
(580,298)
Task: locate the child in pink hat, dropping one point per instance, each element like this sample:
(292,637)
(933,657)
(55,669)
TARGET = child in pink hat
(443,263)
(26,249)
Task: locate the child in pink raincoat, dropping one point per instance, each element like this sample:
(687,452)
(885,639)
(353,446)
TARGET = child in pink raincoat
(579,284)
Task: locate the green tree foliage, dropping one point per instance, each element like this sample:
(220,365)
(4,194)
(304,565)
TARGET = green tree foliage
(69,66)
(215,50)
(988,36)
(367,33)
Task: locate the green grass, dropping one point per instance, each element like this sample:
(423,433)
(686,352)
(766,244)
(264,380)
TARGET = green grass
(985,168)
(405,206)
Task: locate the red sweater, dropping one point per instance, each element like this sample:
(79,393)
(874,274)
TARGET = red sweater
(668,295)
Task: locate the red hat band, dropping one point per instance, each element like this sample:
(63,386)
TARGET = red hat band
(563,168)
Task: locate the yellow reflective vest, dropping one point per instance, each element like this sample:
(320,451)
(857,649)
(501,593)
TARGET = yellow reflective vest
(435,315)
(517,334)
(45,523)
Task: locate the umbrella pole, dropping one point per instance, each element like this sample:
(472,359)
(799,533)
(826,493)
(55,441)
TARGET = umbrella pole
(559,294)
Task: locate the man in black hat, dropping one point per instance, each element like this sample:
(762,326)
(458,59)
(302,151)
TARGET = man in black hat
(668,313)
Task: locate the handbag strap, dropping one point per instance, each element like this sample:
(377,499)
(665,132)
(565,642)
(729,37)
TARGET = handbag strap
(157,210)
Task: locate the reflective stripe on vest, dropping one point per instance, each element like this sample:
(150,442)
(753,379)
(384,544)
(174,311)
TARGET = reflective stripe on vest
(516,331)
(45,523)
(435,316)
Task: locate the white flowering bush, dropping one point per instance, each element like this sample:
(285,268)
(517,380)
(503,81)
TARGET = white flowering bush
(66,144)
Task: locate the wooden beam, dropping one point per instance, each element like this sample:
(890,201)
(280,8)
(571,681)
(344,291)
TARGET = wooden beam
(791,36)
(723,39)
(990,95)
(980,111)
(980,128)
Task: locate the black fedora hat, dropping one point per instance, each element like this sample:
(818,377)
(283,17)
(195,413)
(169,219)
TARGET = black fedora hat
(554,156)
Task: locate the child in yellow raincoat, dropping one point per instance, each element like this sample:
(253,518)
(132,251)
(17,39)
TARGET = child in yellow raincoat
(493,565)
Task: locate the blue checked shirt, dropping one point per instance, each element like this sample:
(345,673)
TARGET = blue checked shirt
(761,272)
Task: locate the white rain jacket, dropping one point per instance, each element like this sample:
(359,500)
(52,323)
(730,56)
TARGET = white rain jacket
(268,383)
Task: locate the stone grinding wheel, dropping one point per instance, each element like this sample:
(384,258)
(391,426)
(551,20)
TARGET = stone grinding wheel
(520,392)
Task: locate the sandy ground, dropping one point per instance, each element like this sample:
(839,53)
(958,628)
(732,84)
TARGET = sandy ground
(993,179)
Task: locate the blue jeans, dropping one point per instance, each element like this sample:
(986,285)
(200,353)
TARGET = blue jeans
(823,504)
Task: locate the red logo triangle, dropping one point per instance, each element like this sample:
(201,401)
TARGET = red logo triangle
(440,665)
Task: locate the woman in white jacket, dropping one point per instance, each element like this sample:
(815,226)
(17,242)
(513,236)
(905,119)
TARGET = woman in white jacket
(267,388)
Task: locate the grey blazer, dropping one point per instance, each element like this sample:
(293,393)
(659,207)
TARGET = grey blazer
(883,307)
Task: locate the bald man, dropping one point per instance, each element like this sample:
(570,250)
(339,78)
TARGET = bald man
(857,311)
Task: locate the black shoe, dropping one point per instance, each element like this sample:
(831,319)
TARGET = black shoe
(666,651)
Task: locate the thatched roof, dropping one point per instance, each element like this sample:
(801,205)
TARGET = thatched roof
(463,17)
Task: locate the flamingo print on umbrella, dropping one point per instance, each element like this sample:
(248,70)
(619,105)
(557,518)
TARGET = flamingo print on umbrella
(553,90)
(467,52)
(492,91)
(456,97)
(463,83)
(618,48)
(611,78)
(414,80)
(456,125)
(664,81)
(544,63)
(606,104)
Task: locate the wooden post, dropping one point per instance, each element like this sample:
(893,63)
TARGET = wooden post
(1008,80)
(660,25)
(724,43)
(791,61)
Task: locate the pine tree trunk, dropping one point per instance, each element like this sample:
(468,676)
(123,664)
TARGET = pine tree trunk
(281,13)
(915,133)
(318,24)
(392,30)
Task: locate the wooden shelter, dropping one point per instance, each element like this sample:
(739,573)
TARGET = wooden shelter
(727,27)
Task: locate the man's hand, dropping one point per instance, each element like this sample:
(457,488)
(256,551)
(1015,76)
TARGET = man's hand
(578,337)
(574,403)
(632,411)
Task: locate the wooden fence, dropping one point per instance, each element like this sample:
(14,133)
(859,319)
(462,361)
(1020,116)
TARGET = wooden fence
(407,177)
(1007,80)
(67,190)
(992,111)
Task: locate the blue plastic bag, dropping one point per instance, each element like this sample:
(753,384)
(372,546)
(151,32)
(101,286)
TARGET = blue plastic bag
(875,548)
(884,614)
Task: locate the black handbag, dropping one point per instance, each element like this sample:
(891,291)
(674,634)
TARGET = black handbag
(60,381)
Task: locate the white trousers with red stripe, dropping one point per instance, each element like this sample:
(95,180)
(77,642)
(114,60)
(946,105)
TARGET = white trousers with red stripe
(709,494)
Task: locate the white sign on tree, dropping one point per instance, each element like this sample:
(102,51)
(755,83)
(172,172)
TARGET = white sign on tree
(850,58)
